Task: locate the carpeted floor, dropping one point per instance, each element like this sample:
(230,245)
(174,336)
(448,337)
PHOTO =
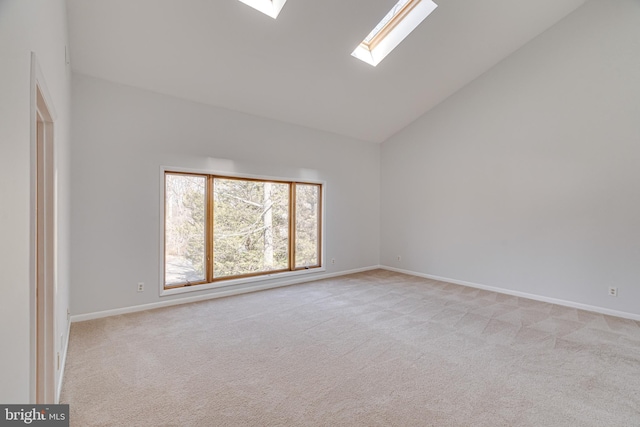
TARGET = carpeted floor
(371,349)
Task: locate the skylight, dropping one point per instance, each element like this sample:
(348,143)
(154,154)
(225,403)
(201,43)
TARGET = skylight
(395,10)
(268,7)
(396,25)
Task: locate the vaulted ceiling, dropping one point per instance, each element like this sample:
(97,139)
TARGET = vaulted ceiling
(298,68)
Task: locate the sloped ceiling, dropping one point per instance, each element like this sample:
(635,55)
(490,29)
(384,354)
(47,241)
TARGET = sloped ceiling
(298,68)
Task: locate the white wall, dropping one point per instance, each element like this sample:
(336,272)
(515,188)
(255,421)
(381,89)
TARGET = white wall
(528,179)
(121,138)
(26,26)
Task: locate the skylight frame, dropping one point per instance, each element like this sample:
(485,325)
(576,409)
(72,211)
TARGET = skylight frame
(394,31)
(376,36)
(270,8)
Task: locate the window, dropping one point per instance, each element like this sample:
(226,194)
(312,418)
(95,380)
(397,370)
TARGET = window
(250,228)
(397,12)
(396,25)
(218,228)
(185,226)
(307,225)
(271,8)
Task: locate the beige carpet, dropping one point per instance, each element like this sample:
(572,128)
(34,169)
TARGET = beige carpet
(372,349)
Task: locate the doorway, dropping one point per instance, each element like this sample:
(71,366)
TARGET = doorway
(44,357)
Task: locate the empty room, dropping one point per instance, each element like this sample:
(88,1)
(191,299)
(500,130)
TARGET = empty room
(319,213)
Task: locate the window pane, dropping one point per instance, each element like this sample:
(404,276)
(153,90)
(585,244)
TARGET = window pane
(185,216)
(307,225)
(250,227)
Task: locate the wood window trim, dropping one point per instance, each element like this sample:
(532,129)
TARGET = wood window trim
(209,224)
(389,26)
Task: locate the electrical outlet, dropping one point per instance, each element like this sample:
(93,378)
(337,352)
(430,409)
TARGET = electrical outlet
(399,258)
(68,315)
(333,260)
(613,292)
(141,287)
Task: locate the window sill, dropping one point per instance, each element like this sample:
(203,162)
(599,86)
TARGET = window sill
(275,277)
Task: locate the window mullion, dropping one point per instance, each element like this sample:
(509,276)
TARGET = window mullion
(292,226)
(209,228)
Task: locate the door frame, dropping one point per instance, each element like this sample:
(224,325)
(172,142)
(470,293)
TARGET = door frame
(42,244)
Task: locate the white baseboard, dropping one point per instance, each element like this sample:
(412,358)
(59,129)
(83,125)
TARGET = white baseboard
(63,363)
(224,292)
(565,303)
(217,293)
